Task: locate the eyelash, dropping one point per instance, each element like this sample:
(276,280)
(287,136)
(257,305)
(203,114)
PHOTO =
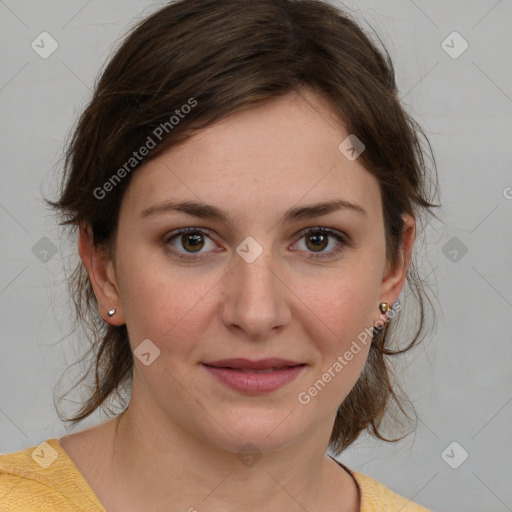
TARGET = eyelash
(339,236)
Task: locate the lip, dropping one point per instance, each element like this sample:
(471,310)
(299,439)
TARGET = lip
(246,364)
(237,374)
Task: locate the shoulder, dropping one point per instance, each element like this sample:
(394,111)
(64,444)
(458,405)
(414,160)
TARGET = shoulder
(376,497)
(43,477)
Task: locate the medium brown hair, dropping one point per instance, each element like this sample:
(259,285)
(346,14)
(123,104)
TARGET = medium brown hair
(227,56)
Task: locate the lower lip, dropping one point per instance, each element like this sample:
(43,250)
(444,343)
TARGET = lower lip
(255,383)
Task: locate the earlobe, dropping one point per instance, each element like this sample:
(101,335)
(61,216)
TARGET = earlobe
(102,275)
(395,278)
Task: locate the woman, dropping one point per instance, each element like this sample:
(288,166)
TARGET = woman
(245,187)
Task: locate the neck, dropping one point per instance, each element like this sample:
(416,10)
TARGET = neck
(166,465)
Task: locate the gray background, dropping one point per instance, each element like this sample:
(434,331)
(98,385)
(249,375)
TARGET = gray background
(459,380)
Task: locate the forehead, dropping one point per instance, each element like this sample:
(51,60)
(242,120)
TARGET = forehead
(263,159)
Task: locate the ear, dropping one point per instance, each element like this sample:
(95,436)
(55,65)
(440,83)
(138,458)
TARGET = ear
(102,274)
(395,277)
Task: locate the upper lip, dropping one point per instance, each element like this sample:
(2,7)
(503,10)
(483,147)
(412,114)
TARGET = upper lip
(247,364)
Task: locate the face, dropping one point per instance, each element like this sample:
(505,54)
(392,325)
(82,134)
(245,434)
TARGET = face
(260,274)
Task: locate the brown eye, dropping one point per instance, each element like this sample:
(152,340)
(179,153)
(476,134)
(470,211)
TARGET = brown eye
(192,242)
(317,241)
(189,241)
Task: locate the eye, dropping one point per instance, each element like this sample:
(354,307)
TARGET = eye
(317,239)
(191,240)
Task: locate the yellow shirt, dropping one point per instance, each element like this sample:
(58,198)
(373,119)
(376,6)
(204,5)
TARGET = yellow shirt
(45,479)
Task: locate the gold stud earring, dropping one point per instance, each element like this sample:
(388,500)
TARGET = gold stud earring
(384,307)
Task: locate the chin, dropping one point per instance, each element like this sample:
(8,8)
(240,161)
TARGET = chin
(267,431)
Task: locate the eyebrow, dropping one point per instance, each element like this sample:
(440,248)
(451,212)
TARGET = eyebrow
(205,211)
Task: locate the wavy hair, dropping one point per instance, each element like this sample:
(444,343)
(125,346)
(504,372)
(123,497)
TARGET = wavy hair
(231,55)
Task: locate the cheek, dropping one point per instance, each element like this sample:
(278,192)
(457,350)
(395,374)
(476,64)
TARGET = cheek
(340,312)
(339,321)
(163,302)
(339,308)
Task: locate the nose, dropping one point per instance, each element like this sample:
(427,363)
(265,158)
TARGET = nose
(256,298)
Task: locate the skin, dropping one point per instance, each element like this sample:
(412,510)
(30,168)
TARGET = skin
(176,445)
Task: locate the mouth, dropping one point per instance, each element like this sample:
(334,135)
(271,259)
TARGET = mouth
(269,370)
(255,377)
(253,370)
(262,365)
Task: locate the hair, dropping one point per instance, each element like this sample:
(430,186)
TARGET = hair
(219,57)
